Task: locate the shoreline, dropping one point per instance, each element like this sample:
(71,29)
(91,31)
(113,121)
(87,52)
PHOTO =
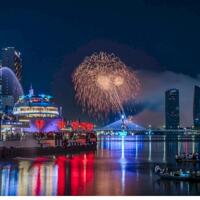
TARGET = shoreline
(7,153)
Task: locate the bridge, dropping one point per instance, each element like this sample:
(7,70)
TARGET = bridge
(148,131)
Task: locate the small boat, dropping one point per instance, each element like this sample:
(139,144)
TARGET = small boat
(180,178)
(177,175)
(187,160)
(195,158)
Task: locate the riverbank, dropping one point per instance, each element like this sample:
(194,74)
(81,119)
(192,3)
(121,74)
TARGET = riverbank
(13,152)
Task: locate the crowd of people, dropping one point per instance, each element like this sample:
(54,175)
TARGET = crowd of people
(180,172)
(188,156)
(66,139)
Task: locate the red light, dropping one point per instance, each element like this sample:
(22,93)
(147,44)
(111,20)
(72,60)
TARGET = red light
(61,163)
(39,123)
(61,124)
(75,125)
(82,173)
(85,126)
(38,182)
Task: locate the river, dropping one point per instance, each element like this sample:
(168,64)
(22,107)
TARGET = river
(120,166)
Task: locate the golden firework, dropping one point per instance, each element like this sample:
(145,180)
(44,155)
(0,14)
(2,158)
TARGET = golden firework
(103,84)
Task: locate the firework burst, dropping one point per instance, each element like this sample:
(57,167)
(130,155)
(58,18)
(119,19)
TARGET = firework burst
(103,84)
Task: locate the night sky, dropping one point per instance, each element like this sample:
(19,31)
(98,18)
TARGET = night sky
(55,36)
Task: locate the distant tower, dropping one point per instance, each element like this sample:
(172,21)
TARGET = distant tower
(11,58)
(31,91)
(172,118)
(196,107)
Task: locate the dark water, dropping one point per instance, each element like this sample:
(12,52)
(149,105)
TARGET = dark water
(120,166)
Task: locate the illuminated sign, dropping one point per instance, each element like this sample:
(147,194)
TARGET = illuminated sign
(36,110)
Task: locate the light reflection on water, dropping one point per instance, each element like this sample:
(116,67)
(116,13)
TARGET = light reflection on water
(120,166)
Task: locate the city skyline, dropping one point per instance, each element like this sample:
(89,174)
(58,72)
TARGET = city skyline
(55,49)
(99,98)
(7,99)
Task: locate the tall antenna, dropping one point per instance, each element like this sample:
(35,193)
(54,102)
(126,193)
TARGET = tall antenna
(31,91)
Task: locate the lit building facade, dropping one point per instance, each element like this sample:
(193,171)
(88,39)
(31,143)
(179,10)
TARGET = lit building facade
(196,107)
(39,106)
(11,58)
(172,117)
(40,110)
(7,103)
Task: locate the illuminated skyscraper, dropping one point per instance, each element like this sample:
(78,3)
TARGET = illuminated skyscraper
(196,107)
(11,58)
(172,118)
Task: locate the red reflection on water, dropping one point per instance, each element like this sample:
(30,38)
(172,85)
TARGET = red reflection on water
(90,167)
(38,182)
(37,164)
(74,162)
(82,173)
(61,163)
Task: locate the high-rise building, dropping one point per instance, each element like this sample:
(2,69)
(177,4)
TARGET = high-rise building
(196,107)
(11,58)
(172,118)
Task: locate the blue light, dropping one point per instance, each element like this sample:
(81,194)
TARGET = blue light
(123,133)
(42,95)
(122,116)
(184,175)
